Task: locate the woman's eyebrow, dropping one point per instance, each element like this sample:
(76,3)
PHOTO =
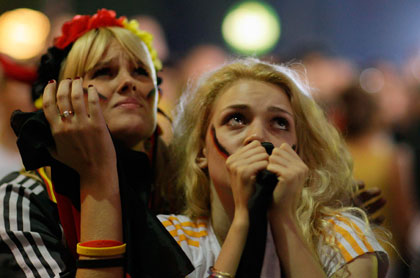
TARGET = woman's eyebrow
(278,109)
(101,64)
(237,106)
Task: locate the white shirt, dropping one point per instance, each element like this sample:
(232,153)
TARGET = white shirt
(199,242)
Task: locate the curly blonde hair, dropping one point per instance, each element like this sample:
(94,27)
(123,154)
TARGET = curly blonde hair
(330,186)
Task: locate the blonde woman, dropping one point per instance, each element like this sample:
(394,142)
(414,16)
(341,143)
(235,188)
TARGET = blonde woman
(314,230)
(98,80)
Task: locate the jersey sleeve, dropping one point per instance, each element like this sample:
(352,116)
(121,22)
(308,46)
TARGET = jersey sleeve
(31,239)
(354,238)
(195,239)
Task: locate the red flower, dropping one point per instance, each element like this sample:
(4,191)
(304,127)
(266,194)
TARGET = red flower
(104,18)
(80,24)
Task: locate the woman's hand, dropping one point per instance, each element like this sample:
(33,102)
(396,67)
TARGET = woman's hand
(371,201)
(243,166)
(82,140)
(292,173)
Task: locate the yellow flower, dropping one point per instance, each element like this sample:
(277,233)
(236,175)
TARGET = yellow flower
(146,37)
(38,103)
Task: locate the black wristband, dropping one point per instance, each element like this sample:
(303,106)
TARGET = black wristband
(100,263)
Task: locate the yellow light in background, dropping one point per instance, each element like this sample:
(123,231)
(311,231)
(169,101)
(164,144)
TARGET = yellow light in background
(251,28)
(23,33)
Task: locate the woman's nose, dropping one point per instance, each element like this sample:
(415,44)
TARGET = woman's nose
(255,132)
(126,86)
(126,81)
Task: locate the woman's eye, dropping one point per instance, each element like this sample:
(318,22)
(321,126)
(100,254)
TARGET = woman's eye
(141,71)
(101,72)
(235,120)
(281,123)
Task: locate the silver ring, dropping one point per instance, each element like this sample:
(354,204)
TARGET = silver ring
(66,114)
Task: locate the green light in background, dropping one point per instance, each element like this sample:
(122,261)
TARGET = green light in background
(251,28)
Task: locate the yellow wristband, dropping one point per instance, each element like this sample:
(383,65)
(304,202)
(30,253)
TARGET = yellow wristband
(214,273)
(101,251)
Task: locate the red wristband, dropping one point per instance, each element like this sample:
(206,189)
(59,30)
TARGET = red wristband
(101,243)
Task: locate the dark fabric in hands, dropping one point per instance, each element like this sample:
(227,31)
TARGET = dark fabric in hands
(252,258)
(151,250)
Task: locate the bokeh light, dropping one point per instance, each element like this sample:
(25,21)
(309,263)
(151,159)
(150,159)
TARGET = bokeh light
(251,28)
(23,33)
(372,80)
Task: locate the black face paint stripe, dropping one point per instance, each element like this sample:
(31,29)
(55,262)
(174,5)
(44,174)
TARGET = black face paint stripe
(219,147)
(151,93)
(101,96)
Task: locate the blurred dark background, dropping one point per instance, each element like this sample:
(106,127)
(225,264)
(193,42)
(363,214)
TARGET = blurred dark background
(358,29)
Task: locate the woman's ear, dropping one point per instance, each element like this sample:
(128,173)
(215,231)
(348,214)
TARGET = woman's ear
(202,159)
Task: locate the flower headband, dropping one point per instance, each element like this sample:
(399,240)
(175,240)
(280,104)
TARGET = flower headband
(50,65)
(81,24)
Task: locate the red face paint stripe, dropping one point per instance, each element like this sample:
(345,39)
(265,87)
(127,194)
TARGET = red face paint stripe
(216,142)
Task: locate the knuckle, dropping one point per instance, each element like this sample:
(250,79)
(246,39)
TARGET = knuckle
(61,97)
(241,170)
(46,103)
(93,100)
(76,96)
(229,163)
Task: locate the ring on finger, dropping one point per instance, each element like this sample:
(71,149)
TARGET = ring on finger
(66,113)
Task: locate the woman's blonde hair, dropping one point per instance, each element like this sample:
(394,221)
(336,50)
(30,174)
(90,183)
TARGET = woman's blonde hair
(330,186)
(88,50)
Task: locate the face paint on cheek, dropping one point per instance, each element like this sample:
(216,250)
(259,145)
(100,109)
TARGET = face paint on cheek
(101,96)
(151,93)
(216,142)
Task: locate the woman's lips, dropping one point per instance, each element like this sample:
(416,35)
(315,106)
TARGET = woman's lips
(129,103)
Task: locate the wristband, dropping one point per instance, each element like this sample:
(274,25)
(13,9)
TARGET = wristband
(102,263)
(214,273)
(101,248)
(101,243)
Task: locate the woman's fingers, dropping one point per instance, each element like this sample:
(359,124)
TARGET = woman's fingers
(244,159)
(78,100)
(49,104)
(68,101)
(94,109)
(367,195)
(283,157)
(291,172)
(64,98)
(375,206)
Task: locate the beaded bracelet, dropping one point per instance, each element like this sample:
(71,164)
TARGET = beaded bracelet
(214,273)
(101,248)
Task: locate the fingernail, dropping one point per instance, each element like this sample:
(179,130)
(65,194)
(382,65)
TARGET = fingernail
(90,85)
(51,81)
(77,77)
(68,78)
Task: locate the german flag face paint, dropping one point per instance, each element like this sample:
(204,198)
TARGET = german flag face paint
(219,146)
